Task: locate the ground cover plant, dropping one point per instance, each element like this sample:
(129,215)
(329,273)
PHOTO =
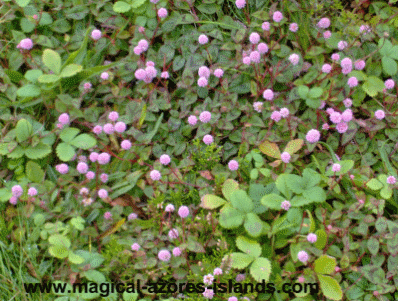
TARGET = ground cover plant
(210,141)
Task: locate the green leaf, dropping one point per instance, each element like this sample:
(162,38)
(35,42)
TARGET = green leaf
(137,3)
(325,264)
(22,3)
(15,76)
(374,184)
(84,141)
(386,193)
(211,201)
(194,245)
(27,26)
(261,269)
(253,224)
(34,172)
(148,137)
(303,91)
(5,195)
(61,26)
(58,251)
(321,240)
(78,223)
(281,184)
(386,47)
(65,151)
(37,152)
(312,222)
(229,187)
(59,240)
(311,177)
(295,183)
(241,201)
(270,149)
(330,287)
(314,195)
(94,276)
(315,92)
(313,103)
(230,217)
(71,70)
(23,130)
(241,260)
(373,245)
(48,78)
(389,65)
(68,134)
(294,146)
(29,90)
(33,75)
(272,201)
(52,60)
(373,85)
(76,259)
(129,296)
(121,7)
(248,246)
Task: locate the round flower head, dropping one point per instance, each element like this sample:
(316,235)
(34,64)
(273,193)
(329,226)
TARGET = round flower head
(379,114)
(342,45)
(255,57)
(285,205)
(13,200)
(84,191)
(240,277)
(138,50)
(294,59)
(326,68)
(336,167)
(135,247)
(246,60)
(109,129)
(26,44)
(104,177)
(346,63)
(132,216)
(285,157)
(217,271)
(202,82)
(82,168)
(104,75)
(183,211)
(233,165)
(323,23)
(276,116)
(313,136)
(90,175)
(204,72)
(140,74)
(176,252)
(151,72)
(208,279)
(303,256)
(164,159)
(301,279)
(108,215)
(208,139)
(162,12)
(342,127)
(97,129)
(311,237)
(365,29)
(63,118)
(266,26)
(262,48)
(359,65)
(347,116)
(218,73)
(87,201)
(203,39)
(335,56)
(126,144)
(268,94)
(104,158)
(96,34)
(352,82)
(113,116)
(155,175)
(208,293)
(62,168)
(277,16)
(93,156)
(154,1)
(192,120)
(205,116)
(120,127)
(347,102)
(284,112)
(327,34)
(293,27)
(164,255)
(16,191)
(240,3)
(254,38)
(87,86)
(165,75)
(258,106)
(173,233)
(143,44)
(169,208)
(389,83)
(391,180)
(102,193)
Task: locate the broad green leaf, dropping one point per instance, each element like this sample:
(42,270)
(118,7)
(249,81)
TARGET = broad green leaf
(374,184)
(311,177)
(248,246)
(230,217)
(295,183)
(194,245)
(29,90)
(210,201)
(261,269)
(253,224)
(34,172)
(241,201)
(325,264)
(76,259)
(130,296)
(315,92)
(68,134)
(330,287)
(48,78)
(58,251)
(386,47)
(23,130)
(373,85)
(294,146)
(270,149)
(121,7)
(313,103)
(38,151)
(303,91)
(52,60)
(94,276)
(33,75)
(22,3)
(78,223)
(137,3)
(241,260)
(272,201)
(71,70)
(386,192)
(373,245)
(389,65)
(229,187)
(322,239)
(59,240)
(312,222)
(65,151)
(84,141)
(281,184)
(315,194)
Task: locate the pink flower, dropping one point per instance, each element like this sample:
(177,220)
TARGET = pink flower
(276,116)
(293,27)
(208,279)
(240,277)
(277,16)
(84,191)
(102,193)
(342,45)
(173,233)
(389,83)
(140,74)
(141,29)
(87,201)
(205,116)
(346,63)
(97,129)
(162,12)
(336,167)
(35,17)
(323,23)
(90,175)
(26,44)
(126,144)
(303,256)
(347,115)
(342,127)
(155,175)
(217,271)
(268,94)
(113,116)
(203,39)
(164,159)
(255,57)
(120,127)
(311,237)
(165,75)
(151,72)
(262,48)
(93,156)
(204,72)
(63,118)
(135,247)
(246,60)
(364,28)
(327,34)
(82,168)
(176,252)
(313,136)
(109,129)
(301,279)
(104,177)
(326,68)
(379,114)
(107,215)
(96,34)
(104,158)
(218,73)
(325,126)
(391,180)
(62,168)
(208,139)
(258,106)
(240,3)
(169,208)
(16,191)
(138,50)
(285,205)
(87,86)
(233,165)
(347,102)
(359,65)
(335,56)
(294,59)
(284,112)
(352,82)
(192,120)
(164,255)
(266,26)
(346,70)
(202,82)
(254,38)
(132,216)
(143,44)
(183,211)
(285,157)
(104,75)
(13,200)
(208,293)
